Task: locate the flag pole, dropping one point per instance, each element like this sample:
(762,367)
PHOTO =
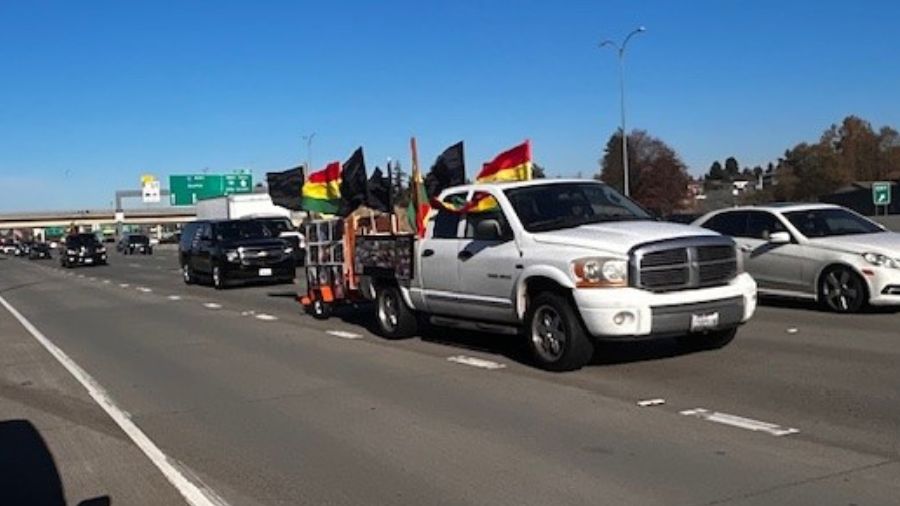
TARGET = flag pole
(390,196)
(414,187)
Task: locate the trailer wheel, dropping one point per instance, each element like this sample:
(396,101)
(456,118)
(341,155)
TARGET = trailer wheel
(320,310)
(395,319)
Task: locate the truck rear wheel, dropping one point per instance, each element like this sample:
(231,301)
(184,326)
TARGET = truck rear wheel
(556,337)
(395,319)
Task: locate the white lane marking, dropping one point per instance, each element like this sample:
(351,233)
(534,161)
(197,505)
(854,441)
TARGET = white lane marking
(174,297)
(792,330)
(92,278)
(81,275)
(144,289)
(106,281)
(194,494)
(739,421)
(343,334)
(212,305)
(266,317)
(651,402)
(134,265)
(476,362)
(124,285)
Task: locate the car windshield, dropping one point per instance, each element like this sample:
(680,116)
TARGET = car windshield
(237,230)
(830,222)
(138,239)
(565,205)
(82,240)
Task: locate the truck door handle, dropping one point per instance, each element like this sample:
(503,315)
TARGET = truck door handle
(464,255)
(427,252)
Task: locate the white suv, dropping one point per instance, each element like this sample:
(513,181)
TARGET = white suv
(816,251)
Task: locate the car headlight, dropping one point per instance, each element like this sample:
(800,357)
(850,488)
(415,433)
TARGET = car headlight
(101,249)
(232,256)
(71,251)
(881,260)
(600,272)
(288,250)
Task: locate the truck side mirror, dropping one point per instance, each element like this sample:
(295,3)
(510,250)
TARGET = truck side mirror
(488,230)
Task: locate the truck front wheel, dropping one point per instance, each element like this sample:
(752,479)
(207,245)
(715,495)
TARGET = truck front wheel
(556,336)
(395,319)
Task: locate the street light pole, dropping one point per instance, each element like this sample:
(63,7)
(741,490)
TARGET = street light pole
(309,139)
(620,48)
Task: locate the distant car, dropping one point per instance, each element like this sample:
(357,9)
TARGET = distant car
(82,249)
(23,248)
(39,251)
(8,247)
(130,244)
(226,251)
(822,252)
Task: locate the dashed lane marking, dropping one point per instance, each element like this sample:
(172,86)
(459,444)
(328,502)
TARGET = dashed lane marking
(343,334)
(651,402)
(476,362)
(212,305)
(174,297)
(739,421)
(106,281)
(144,289)
(266,317)
(195,494)
(124,285)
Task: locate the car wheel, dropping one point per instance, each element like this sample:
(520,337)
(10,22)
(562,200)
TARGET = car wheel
(395,319)
(556,337)
(187,274)
(218,278)
(842,290)
(709,341)
(320,310)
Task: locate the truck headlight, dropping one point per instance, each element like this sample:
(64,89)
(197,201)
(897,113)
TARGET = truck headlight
(71,252)
(600,272)
(101,249)
(881,260)
(288,250)
(232,256)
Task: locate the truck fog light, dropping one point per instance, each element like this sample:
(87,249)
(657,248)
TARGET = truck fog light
(623,317)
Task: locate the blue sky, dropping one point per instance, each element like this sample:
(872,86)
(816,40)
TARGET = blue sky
(93,94)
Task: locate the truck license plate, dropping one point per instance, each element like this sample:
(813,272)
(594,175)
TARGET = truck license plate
(704,321)
(265,272)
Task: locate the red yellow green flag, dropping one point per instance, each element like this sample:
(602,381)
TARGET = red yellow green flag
(322,190)
(512,165)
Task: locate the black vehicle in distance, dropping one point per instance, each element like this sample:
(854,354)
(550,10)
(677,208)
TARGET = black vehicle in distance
(226,251)
(82,249)
(283,228)
(131,244)
(38,251)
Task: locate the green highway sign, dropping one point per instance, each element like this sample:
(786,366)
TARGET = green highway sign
(187,190)
(881,194)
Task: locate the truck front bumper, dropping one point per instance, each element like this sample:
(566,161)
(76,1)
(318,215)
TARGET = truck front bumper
(630,312)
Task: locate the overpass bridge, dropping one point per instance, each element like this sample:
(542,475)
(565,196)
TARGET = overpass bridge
(95,218)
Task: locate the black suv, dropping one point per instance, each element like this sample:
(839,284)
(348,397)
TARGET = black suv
(130,244)
(234,250)
(82,249)
(38,251)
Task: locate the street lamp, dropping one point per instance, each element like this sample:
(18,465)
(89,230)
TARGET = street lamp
(620,48)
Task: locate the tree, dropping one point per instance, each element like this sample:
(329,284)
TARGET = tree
(716,172)
(538,172)
(658,178)
(732,169)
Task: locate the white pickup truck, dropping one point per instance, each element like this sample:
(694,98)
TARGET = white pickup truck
(566,263)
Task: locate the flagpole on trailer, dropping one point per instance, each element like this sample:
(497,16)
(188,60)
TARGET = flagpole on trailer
(414,187)
(390,195)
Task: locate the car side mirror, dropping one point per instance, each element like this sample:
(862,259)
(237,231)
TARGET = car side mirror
(488,230)
(779,238)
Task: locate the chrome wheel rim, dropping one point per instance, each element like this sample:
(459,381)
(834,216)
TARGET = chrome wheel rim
(217,277)
(186,273)
(388,313)
(548,334)
(842,290)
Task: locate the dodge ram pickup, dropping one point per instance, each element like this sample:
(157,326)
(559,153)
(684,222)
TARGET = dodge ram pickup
(564,263)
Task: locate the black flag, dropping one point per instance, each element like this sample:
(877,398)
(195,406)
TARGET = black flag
(284,187)
(353,183)
(378,189)
(448,170)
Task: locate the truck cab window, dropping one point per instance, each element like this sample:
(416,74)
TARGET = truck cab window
(446,223)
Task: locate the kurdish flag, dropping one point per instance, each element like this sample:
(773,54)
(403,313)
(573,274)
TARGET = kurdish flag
(322,190)
(511,165)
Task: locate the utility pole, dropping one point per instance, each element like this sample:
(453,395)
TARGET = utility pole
(309,141)
(620,48)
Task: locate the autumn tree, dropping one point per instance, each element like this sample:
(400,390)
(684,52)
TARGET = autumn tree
(658,178)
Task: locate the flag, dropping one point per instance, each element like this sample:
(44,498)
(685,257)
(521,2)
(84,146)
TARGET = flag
(378,190)
(511,165)
(322,191)
(353,183)
(284,187)
(449,169)
(418,209)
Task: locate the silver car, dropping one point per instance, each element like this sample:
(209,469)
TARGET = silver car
(815,251)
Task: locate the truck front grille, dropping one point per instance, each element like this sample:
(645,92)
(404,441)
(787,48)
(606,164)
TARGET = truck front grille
(261,256)
(685,263)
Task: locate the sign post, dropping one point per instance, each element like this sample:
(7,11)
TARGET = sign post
(881,195)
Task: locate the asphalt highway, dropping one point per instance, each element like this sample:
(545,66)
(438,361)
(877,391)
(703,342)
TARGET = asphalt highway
(265,405)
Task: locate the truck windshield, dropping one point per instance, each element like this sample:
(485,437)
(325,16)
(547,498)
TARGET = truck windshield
(565,205)
(237,230)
